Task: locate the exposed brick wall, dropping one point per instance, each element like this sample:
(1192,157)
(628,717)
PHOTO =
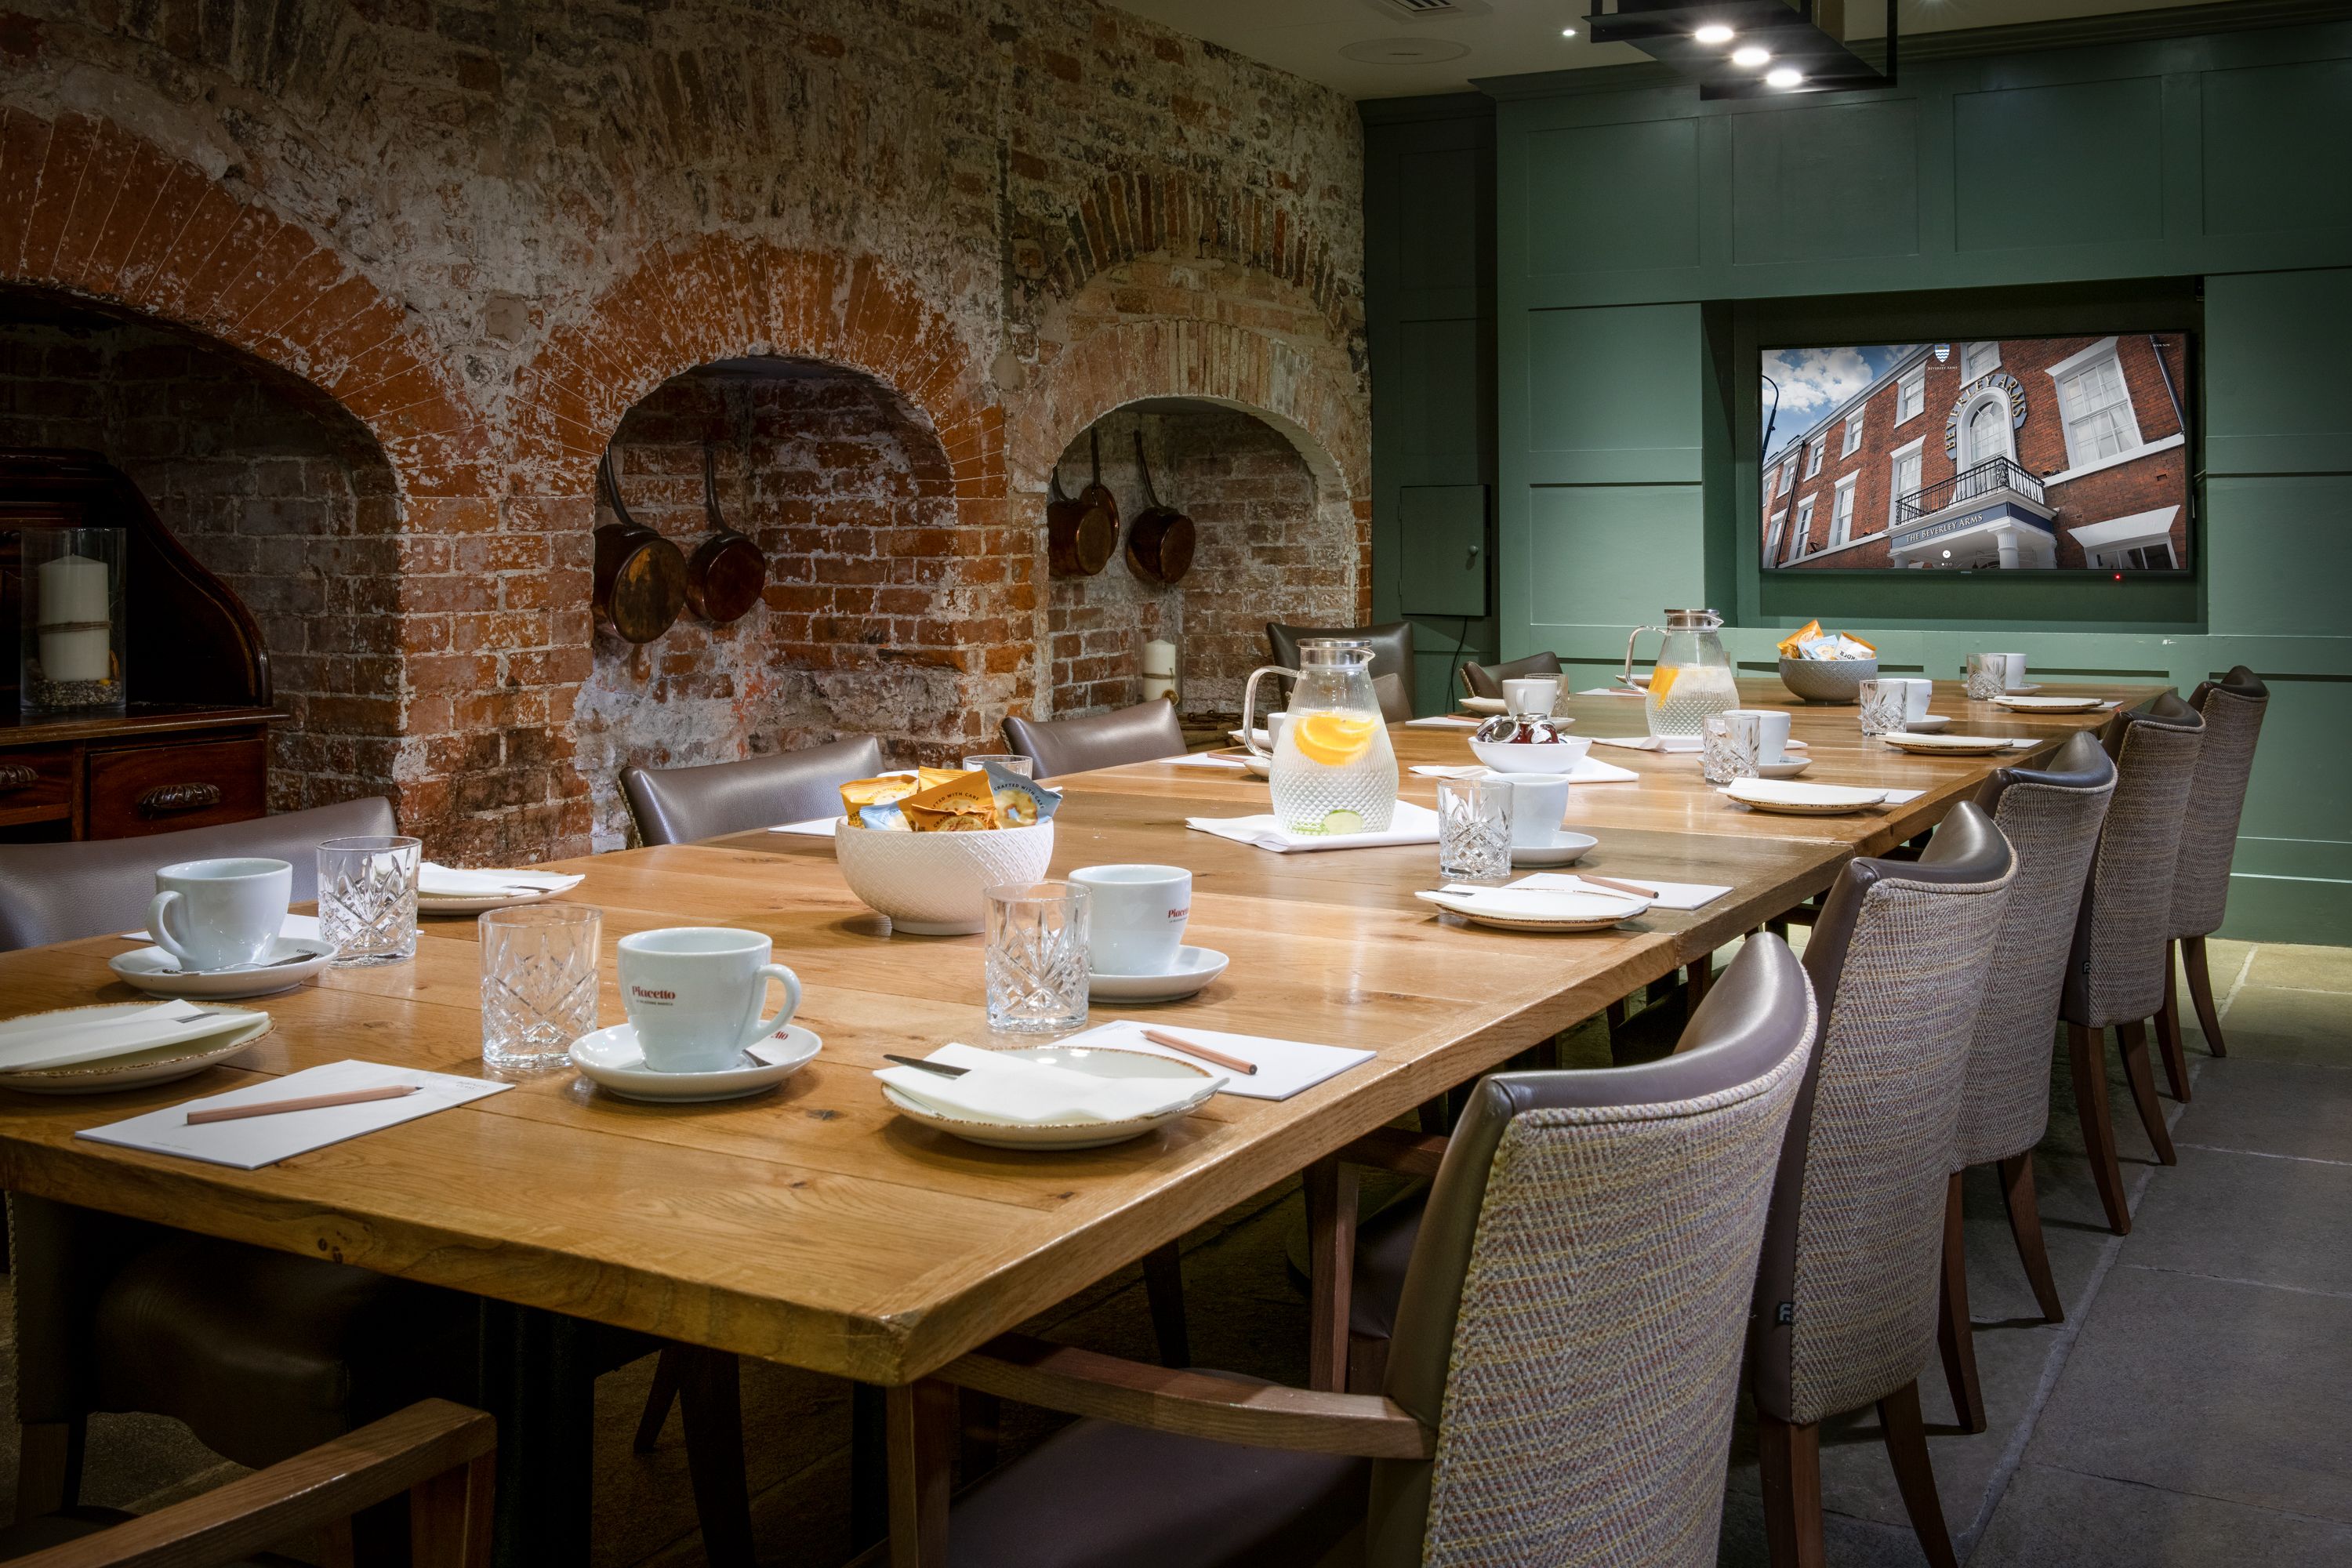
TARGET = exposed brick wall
(488,232)
(270,485)
(1263,551)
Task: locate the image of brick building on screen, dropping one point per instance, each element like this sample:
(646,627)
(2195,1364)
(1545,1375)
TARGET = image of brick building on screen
(2002,453)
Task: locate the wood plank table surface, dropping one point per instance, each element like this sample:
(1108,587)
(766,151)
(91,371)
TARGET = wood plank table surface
(814,1226)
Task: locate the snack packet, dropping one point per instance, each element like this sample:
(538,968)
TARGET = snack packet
(1792,645)
(960,803)
(1020,801)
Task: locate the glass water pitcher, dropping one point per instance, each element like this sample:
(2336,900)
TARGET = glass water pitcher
(1333,769)
(1692,678)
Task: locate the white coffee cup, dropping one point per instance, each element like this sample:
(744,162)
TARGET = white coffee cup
(1762,730)
(1916,696)
(1274,723)
(2013,665)
(214,914)
(1531,693)
(1539,801)
(693,995)
(1137,923)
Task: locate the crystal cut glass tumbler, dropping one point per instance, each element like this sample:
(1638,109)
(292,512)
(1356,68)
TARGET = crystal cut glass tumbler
(367,899)
(1988,676)
(1036,958)
(539,983)
(1885,705)
(1727,748)
(1473,830)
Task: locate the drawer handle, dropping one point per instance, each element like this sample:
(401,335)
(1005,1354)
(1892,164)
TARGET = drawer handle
(17,775)
(165,799)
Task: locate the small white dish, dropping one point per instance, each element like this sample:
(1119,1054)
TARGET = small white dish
(1487,705)
(1195,968)
(1786,768)
(2020,690)
(1945,745)
(2019,704)
(1513,909)
(1928,723)
(134,1069)
(1550,757)
(1566,848)
(482,903)
(1262,766)
(615,1063)
(1103,1061)
(1795,798)
(1242,738)
(154,970)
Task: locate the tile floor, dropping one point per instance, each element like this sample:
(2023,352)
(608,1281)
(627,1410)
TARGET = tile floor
(2192,1409)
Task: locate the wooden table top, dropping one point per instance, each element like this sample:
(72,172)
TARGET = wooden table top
(814,1226)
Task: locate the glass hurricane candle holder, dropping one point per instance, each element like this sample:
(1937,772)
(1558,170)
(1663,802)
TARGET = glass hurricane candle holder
(72,615)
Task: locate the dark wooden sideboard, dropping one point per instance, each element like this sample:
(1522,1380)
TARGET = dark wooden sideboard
(193,747)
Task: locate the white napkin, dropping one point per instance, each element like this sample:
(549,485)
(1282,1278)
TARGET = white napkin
(1210,760)
(1442,722)
(61,1040)
(1410,823)
(1588,770)
(1285,1067)
(253,1141)
(1903,797)
(1015,1091)
(298,928)
(452,882)
(821,828)
(1669,895)
(1608,692)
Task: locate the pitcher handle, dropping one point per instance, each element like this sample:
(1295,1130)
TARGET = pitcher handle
(1249,704)
(1625,676)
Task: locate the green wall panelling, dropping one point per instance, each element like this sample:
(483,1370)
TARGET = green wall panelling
(2274,138)
(2281,553)
(1815,183)
(1612,396)
(2279,372)
(1593,549)
(1644,172)
(2096,146)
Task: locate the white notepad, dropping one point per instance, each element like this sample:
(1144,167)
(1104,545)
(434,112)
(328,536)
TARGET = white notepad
(1285,1067)
(251,1143)
(1407,824)
(1670,895)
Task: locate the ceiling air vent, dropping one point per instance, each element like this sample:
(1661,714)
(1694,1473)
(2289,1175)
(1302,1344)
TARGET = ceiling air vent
(1420,8)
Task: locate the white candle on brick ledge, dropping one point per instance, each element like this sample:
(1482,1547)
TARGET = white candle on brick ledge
(74,598)
(1159,687)
(1160,659)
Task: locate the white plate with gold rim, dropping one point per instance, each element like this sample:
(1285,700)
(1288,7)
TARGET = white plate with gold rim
(1103,1061)
(1793,797)
(2018,704)
(1946,745)
(1528,910)
(134,1069)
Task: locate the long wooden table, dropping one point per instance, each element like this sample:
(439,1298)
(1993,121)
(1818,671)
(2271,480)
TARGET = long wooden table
(815,1228)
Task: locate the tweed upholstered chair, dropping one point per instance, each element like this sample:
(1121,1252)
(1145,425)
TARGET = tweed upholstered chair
(1486,680)
(2114,975)
(679,806)
(2232,710)
(1058,746)
(1846,1299)
(2050,816)
(1566,1363)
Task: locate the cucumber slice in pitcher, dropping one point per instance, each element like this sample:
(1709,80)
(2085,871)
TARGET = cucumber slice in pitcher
(1342,820)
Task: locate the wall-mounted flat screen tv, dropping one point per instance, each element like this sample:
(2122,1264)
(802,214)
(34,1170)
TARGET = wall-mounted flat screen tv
(1996,454)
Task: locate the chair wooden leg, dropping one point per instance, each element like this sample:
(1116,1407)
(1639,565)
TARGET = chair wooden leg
(658,1399)
(1163,1288)
(869,1467)
(1954,1334)
(2131,1039)
(1368,1363)
(449,1516)
(2086,1063)
(1906,1446)
(1331,1261)
(1789,1467)
(710,1397)
(922,1422)
(49,1467)
(2167,1033)
(1698,977)
(2200,991)
(2025,1226)
(981,1425)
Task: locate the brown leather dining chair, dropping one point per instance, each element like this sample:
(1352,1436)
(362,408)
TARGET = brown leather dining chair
(1142,733)
(2232,709)
(1572,1215)
(2114,975)
(1846,1299)
(2051,815)
(1391,654)
(679,805)
(1486,680)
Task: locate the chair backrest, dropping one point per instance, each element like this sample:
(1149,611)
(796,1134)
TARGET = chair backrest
(1845,1298)
(1395,698)
(1392,649)
(2050,816)
(58,892)
(1486,680)
(1571,1321)
(679,806)
(2232,709)
(2116,972)
(1058,746)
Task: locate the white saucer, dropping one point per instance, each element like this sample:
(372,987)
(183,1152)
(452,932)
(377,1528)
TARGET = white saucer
(2022,691)
(613,1060)
(1566,848)
(133,1069)
(1512,908)
(1488,706)
(1946,745)
(1928,723)
(1802,799)
(1786,768)
(2017,702)
(1103,1061)
(158,972)
(1195,968)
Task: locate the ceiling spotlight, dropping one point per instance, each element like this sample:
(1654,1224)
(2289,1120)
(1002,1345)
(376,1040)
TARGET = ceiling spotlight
(1751,55)
(1712,33)
(1786,76)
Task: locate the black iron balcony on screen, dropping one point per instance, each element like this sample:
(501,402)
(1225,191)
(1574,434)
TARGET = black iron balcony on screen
(1967,485)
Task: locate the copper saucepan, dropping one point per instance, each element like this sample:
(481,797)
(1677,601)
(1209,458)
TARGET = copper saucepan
(640,582)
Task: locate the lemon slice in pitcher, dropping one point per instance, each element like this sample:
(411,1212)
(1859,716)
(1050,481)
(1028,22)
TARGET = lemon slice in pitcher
(1334,740)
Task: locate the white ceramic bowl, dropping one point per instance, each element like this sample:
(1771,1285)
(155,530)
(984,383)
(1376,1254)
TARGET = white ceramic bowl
(1509,757)
(931,883)
(1827,679)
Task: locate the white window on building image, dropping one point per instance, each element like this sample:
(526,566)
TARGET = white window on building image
(1978,359)
(1788,473)
(1772,539)
(2097,409)
(1853,435)
(2139,558)
(1911,395)
(1813,456)
(1985,433)
(1902,477)
(1804,529)
(2141,541)
(1841,511)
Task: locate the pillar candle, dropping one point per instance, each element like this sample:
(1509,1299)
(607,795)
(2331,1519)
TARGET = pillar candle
(1159,658)
(1159,687)
(75,593)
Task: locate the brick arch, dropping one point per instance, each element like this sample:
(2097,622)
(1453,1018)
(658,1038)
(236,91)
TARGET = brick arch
(89,207)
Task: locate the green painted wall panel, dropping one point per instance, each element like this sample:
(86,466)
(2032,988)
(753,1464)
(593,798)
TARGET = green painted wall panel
(2280,553)
(1612,396)
(2073,163)
(1595,548)
(1813,184)
(1645,175)
(2274,137)
(1444,185)
(2277,377)
(1435,397)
